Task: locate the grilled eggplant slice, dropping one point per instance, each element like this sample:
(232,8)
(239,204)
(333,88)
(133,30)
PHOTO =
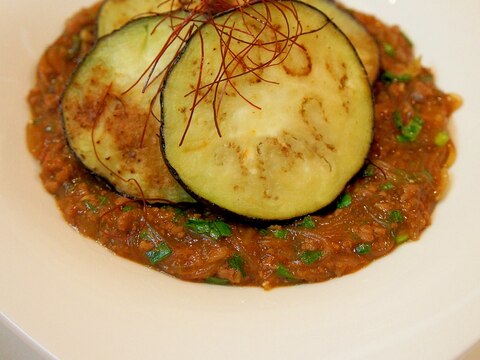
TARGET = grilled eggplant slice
(268,112)
(107,120)
(361,39)
(115,13)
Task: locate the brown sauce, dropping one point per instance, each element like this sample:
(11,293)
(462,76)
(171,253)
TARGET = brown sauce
(388,203)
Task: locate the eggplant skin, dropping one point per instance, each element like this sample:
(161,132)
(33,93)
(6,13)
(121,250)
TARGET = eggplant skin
(110,129)
(294,151)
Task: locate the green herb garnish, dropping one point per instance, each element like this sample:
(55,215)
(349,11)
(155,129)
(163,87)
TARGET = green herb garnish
(442,138)
(146,235)
(216,281)
(283,272)
(280,234)
(389,77)
(309,257)
(263,232)
(344,201)
(160,252)
(387,186)
(389,49)
(307,222)
(199,226)
(236,262)
(397,119)
(396,216)
(221,229)
(90,206)
(369,170)
(362,249)
(103,200)
(127,208)
(214,229)
(411,130)
(401,238)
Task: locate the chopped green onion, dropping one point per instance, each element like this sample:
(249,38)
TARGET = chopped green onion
(389,49)
(221,228)
(146,235)
(280,234)
(396,216)
(369,170)
(90,206)
(283,272)
(362,249)
(344,201)
(442,138)
(214,229)
(236,262)
(307,222)
(263,232)
(397,119)
(387,186)
(160,252)
(199,226)
(389,77)
(399,239)
(309,257)
(127,208)
(103,200)
(411,130)
(216,281)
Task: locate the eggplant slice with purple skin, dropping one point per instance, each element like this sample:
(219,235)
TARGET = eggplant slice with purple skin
(268,111)
(362,41)
(108,121)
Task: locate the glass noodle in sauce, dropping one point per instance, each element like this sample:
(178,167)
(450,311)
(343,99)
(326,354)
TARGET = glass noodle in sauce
(389,202)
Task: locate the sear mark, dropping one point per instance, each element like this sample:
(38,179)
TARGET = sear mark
(298,61)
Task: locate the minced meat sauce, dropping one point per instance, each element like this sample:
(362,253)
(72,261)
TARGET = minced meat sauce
(388,203)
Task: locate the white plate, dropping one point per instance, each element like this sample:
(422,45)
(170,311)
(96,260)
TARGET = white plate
(78,301)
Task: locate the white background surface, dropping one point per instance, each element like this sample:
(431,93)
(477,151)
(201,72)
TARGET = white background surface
(81,302)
